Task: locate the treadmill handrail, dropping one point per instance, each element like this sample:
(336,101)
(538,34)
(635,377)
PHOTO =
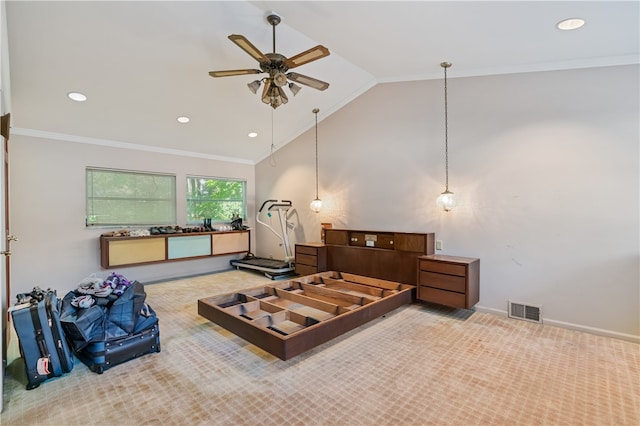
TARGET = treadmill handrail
(268,201)
(280,205)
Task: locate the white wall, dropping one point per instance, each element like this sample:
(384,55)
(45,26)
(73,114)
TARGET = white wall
(546,167)
(47,190)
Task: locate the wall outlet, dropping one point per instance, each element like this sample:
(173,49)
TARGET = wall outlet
(438,244)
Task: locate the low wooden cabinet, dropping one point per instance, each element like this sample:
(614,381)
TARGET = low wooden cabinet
(130,251)
(449,280)
(311,258)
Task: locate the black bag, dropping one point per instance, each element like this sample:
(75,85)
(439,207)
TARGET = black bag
(107,319)
(41,339)
(145,339)
(81,326)
(123,314)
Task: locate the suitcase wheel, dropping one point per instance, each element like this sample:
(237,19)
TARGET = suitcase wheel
(32,385)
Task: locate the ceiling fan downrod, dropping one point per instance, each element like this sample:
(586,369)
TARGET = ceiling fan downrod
(274,20)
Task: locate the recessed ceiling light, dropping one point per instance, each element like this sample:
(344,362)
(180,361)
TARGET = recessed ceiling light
(570,24)
(252,134)
(182,119)
(77,96)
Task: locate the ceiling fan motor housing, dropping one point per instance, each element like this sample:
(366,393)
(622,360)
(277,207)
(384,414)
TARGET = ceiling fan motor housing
(276,68)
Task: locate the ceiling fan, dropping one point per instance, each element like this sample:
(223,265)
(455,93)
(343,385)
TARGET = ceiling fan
(277,66)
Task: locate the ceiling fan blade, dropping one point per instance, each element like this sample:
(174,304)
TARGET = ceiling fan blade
(307,56)
(308,81)
(246,45)
(229,73)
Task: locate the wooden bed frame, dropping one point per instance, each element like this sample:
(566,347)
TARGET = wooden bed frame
(370,274)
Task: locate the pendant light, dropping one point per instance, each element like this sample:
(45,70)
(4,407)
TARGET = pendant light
(316,204)
(446,200)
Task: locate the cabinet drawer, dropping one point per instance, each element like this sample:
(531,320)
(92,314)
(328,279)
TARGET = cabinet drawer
(306,259)
(443,281)
(306,269)
(443,267)
(313,251)
(442,297)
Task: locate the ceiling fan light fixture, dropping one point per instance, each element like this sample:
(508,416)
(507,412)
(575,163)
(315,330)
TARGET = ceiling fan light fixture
(266,92)
(254,86)
(294,88)
(282,95)
(279,79)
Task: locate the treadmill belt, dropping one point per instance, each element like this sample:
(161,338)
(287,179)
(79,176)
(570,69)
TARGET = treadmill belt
(263,262)
(272,266)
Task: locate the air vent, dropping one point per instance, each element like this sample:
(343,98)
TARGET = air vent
(525,312)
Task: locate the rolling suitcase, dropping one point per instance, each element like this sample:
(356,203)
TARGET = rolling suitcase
(99,356)
(43,346)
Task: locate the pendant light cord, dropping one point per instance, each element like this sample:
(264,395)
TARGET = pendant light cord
(315,111)
(446,132)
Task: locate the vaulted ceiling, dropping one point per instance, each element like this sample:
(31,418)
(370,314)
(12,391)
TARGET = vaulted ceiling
(142,64)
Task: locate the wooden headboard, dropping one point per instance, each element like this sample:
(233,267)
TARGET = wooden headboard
(385,255)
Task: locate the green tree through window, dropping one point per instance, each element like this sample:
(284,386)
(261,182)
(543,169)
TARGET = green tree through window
(215,198)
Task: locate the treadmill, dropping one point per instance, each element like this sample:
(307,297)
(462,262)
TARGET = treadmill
(272,268)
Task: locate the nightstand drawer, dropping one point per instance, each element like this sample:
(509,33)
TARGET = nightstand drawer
(443,281)
(313,251)
(443,267)
(306,269)
(306,259)
(442,297)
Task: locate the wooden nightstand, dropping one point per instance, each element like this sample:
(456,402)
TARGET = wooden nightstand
(311,258)
(449,280)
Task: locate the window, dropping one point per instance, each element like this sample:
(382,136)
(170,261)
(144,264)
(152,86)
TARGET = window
(215,198)
(127,198)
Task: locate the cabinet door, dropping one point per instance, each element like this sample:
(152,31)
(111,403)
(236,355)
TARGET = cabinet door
(336,237)
(125,252)
(188,246)
(411,242)
(233,242)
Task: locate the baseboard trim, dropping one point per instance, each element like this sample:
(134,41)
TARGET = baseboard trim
(568,325)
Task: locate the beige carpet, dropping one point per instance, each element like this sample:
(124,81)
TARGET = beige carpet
(418,365)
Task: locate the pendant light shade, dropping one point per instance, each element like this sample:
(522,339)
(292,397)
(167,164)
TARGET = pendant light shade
(446,200)
(316,204)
